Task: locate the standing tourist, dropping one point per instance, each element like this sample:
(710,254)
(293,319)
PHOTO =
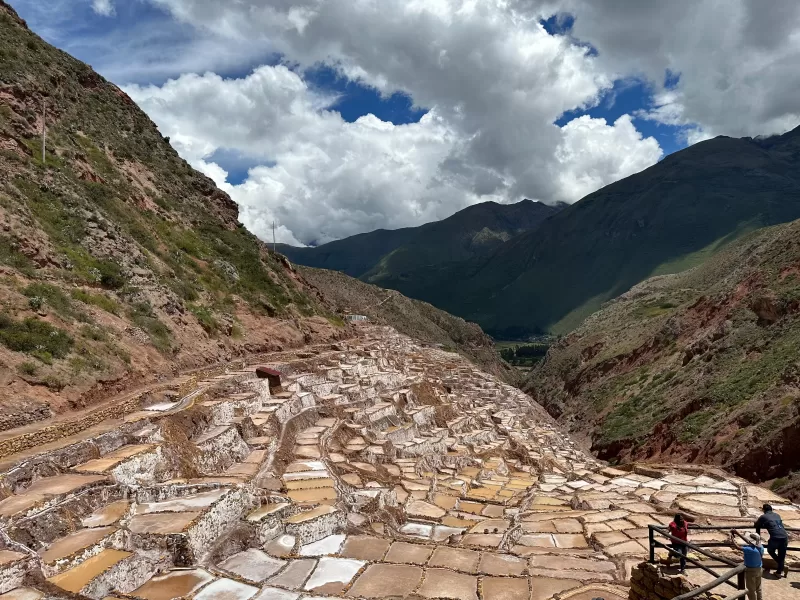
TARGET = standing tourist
(753,550)
(679,529)
(778,538)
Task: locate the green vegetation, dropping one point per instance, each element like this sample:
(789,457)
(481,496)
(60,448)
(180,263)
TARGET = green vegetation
(44,293)
(62,221)
(336,321)
(86,362)
(654,309)
(778,483)
(141,314)
(119,352)
(35,337)
(693,425)
(11,256)
(54,382)
(740,380)
(184,289)
(633,418)
(578,315)
(28,368)
(694,259)
(523,355)
(206,318)
(100,300)
(94,332)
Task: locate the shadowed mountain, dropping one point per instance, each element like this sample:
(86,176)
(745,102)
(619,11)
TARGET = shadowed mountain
(665,219)
(563,264)
(389,257)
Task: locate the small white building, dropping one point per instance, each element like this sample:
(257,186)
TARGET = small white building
(355,318)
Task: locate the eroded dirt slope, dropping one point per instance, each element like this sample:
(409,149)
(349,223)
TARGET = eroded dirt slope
(702,366)
(119,263)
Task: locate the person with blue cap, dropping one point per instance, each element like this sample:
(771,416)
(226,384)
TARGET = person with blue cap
(753,550)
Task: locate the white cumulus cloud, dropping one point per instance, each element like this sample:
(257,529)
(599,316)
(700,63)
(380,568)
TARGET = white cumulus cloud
(493,79)
(735,60)
(103,7)
(594,153)
(322,178)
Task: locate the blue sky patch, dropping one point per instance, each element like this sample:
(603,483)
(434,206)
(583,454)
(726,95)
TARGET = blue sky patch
(356,100)
(237,164)
(558,24)
(629,97)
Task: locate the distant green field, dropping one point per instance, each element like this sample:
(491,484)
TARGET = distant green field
(522,354)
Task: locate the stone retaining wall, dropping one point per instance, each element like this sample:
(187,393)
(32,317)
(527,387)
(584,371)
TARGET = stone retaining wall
(53,433)
(316,529)
(649,582)
(13,574)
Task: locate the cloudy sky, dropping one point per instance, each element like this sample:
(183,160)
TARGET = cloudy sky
(334,117)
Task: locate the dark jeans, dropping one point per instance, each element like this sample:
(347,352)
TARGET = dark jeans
(681,549)
(777,550)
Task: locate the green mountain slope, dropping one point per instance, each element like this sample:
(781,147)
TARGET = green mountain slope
(390,258)
(699,366)
(664,219)
(118,262)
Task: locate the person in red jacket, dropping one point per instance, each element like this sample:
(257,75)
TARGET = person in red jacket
(679,529)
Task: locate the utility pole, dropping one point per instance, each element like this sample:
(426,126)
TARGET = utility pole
(274,246)
(44,129)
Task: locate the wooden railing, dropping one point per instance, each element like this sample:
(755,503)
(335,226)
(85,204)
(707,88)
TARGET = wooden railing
(736,568)
(726,577)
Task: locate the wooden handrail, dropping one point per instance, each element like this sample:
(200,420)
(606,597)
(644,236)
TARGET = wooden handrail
(691,560)
(724,578)
(698,549)
(737,570)
(738,526)
(664,532)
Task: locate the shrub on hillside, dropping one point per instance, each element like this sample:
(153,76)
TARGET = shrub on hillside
(35,337)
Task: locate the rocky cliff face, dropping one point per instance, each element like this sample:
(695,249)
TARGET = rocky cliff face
(702,366)
(118,262)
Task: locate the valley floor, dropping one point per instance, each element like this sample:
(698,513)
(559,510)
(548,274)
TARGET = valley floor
(379,467)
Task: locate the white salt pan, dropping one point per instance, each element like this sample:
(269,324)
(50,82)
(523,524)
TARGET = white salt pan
(226,589)
(271,593)
(327,545)
(331,570)
(417,529)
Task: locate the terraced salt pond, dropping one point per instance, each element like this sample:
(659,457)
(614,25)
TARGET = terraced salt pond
(379,468)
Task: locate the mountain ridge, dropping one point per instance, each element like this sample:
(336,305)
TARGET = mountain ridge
(667,218)
(377,255)
(598,247)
